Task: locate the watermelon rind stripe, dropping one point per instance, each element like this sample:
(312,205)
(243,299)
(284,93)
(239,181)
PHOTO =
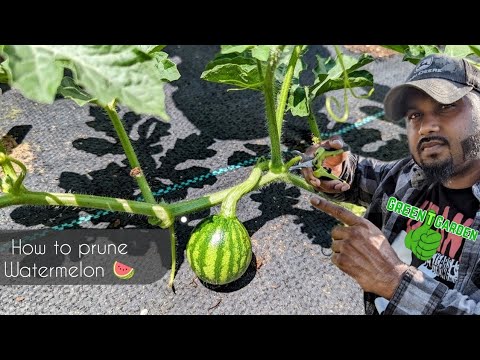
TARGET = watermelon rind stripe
(217,263)
(239,249)
(233,246)
(247,251)
(203,253)
(225,260)
(234,266)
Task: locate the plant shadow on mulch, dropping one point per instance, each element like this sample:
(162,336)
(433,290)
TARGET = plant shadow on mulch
(217,114)
(4,88)
(115,180)
(215,111)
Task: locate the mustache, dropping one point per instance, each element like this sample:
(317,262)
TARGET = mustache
(431,138)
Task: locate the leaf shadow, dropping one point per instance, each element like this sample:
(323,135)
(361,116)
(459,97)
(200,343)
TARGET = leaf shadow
(280,199)
(4,88)
(114,179)
(221,111)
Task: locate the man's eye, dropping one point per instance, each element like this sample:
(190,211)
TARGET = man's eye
(413,116)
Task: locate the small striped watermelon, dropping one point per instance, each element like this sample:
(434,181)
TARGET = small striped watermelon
(219,250)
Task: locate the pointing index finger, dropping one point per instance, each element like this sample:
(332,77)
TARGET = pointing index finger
(338,212)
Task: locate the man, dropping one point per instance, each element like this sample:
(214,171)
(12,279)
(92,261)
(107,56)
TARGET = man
(415,251)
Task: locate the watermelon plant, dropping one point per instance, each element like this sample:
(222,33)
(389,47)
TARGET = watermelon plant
(219,250)
(415,53)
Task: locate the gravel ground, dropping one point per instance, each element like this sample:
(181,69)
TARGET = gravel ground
(75,149)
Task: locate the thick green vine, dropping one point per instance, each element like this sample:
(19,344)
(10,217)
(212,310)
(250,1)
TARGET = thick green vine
(265,62)
(229,204)
(268,89)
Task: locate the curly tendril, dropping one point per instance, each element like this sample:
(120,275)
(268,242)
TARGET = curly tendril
(347,86)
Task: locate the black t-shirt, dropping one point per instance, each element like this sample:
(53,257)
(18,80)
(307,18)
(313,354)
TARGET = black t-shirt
(458,205)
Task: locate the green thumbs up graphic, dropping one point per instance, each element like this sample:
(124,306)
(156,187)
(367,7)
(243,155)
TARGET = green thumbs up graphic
(424,241)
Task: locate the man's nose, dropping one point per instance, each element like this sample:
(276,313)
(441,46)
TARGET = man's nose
(430,124)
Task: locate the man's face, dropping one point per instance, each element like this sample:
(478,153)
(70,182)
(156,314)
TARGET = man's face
(440,136)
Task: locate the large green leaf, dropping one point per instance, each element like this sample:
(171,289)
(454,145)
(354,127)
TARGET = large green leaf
(283,64)
(358,78)
(329,74)
(458,50)
(238,69)
(151,49)
(260,52)
(228,49)
(298,101)
(239,65)
(168,69)
(122,72)
(69,90)
(415,53)
(34,71)
(475,49)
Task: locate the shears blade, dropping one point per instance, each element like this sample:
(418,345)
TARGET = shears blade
(306,164)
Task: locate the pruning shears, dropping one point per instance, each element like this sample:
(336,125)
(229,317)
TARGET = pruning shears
(316,162)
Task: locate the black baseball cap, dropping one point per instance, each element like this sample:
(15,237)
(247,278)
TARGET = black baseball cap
(444,78)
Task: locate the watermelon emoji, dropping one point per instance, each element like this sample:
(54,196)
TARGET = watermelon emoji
(122,271)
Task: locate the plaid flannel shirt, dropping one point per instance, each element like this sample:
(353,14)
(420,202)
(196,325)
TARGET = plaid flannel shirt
(372,183)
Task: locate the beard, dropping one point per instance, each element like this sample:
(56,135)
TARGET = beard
(471,146)
(436,172)
(440,172)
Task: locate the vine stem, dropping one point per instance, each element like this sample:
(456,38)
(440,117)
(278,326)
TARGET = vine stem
(8,168)
(89,201)
(165,212)
(173,249)
(312,123)
(188,206)
(229,204)
(285,90)
(268,90)
(130,153)
(292,162)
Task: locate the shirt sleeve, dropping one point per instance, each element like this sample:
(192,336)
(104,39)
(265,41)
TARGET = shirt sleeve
(419,294)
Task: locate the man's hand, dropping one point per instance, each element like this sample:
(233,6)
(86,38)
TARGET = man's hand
(362,251)
(424,241)
(332,162)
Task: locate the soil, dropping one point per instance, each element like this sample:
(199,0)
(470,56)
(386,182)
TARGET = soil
(376,51)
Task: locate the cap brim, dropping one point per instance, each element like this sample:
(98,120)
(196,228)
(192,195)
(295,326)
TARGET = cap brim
(443,91)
